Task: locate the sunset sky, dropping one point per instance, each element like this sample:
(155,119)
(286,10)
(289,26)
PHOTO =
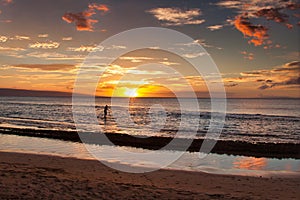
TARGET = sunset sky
(254,43)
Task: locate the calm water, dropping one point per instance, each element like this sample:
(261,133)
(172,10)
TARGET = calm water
(213,163)
(252,120)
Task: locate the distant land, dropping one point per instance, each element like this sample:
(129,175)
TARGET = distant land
(32,93)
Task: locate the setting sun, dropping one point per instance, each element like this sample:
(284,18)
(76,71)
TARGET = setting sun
(125,92)
(131,92)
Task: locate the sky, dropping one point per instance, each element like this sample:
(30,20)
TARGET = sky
(254,44)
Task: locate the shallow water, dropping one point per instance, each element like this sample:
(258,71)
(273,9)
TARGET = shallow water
(213,163)
(251,120)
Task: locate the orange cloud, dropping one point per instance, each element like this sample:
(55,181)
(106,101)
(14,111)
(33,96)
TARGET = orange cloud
(82,20)
(272,10)
(100,7)
(258,33)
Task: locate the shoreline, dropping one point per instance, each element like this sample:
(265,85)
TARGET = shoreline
(42,176)
(238,148)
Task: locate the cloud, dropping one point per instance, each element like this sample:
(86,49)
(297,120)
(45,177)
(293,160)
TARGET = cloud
(247,55)
(43,35)
(229,4)
(231,84)
(281,76)
(83,19)
(44,45)
(275,15)
(257,33)
(290,81)
(278,11)
(215,27)
(11,49)
(47,67)
(116,47)
(3,38)
(20,37)
(100,7)
(205,44)
(289,67)
(177,16)
(67,38)
(54,56)
(194,55)
(135,59)
(168,63)
(88,48)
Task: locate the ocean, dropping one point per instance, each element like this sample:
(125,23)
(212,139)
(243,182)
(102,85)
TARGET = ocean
(249,120)
(271,121)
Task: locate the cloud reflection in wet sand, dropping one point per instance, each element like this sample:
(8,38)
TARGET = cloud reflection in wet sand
(250,163)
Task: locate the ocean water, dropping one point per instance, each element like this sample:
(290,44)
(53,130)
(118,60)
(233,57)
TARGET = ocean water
(251,120)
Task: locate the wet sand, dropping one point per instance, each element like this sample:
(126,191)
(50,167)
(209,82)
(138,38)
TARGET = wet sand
(28,176)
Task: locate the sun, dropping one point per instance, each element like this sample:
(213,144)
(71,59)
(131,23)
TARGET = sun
(130,92)
(125,92)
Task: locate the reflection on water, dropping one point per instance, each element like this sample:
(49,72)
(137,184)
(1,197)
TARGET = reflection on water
(248,120)
(213,163)
(250,163)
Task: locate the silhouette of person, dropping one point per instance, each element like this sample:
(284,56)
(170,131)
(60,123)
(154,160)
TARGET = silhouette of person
(105,111)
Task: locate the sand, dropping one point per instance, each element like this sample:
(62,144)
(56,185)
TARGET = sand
(29,176)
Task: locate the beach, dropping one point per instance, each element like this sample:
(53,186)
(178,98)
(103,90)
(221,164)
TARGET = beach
(30,176)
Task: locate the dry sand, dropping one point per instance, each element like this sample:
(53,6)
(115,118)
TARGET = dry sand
(27,176)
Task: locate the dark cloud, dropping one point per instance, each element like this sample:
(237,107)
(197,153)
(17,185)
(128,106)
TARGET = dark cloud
(294,63)
(287,75)
(263,87)
(254,73)
(47,67)
(289,67)
(290,81)
(231,85)
(275,15)
(83,19)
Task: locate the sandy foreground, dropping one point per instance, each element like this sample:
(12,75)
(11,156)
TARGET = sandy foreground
(28,176)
